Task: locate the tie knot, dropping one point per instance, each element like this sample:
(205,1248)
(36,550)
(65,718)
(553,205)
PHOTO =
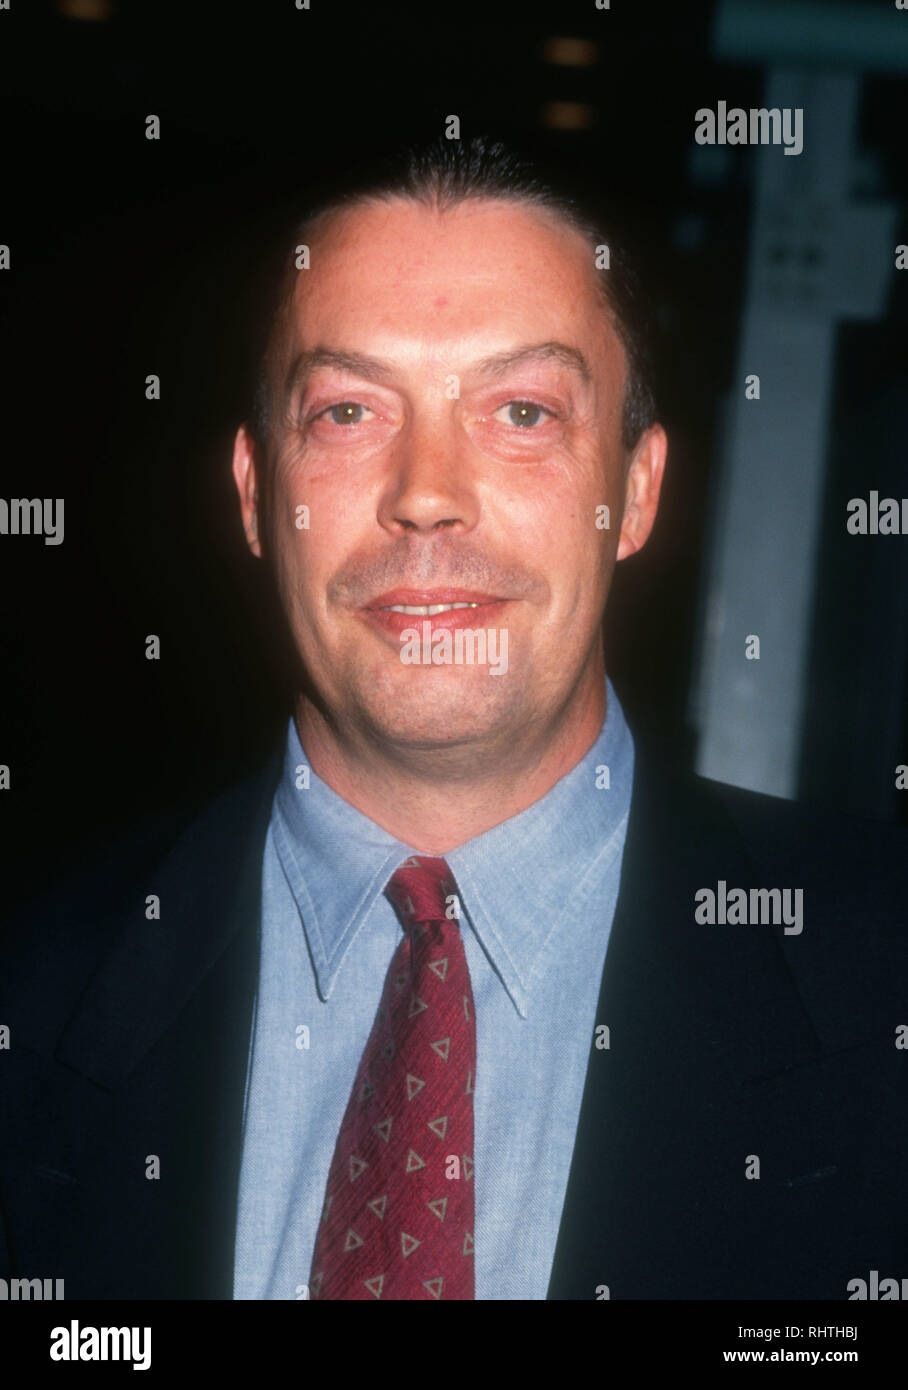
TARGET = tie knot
(419,889)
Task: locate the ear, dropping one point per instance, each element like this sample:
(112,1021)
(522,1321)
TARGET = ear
(642,488)
(247,484)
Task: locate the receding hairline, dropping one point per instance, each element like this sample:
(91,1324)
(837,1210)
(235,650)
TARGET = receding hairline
(320,224)
(442,204)
(435,185)
(554,216)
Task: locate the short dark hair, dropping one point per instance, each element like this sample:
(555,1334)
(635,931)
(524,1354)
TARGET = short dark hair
(441,175)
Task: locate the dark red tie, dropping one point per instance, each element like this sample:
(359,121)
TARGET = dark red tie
(398,1215)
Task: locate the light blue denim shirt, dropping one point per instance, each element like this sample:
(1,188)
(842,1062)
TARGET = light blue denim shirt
(537,897)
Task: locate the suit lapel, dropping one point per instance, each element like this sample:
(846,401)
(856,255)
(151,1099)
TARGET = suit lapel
(162,1035)
(650,1170)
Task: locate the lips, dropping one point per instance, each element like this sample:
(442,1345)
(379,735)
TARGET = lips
(401,609)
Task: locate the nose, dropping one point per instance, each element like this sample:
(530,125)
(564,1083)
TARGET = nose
(431,486)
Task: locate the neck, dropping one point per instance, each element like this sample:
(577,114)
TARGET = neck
(435,810)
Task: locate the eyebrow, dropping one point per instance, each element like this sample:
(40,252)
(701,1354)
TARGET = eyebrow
(551,351)
(375,369)
(356,363)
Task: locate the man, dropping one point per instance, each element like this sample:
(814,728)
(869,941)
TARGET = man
(449,1002)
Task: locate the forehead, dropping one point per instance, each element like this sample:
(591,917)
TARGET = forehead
(398,277)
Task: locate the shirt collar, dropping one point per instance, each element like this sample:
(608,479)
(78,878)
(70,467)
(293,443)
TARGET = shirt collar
(520,882)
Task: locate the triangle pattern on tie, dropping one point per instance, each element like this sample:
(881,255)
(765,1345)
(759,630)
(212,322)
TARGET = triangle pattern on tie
(408,1244)
(395,1225)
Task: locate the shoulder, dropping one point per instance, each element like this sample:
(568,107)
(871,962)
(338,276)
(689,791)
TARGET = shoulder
(832,852)
(849,961)
(59,938)
(841,858)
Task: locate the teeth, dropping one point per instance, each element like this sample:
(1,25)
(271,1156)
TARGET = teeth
(426,610)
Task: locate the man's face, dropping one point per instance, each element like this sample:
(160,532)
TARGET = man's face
(452,425)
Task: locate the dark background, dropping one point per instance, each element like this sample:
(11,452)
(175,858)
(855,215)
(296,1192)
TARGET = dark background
(132,257)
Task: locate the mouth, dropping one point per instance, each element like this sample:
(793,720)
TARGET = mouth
(427,610)
(445,609)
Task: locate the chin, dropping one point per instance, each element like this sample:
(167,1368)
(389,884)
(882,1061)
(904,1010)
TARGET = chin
(426,723)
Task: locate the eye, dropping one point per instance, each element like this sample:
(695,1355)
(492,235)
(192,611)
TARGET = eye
(344,413)
(524,414)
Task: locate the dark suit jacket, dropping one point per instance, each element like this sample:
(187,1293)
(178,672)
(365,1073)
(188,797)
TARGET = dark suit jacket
(129,1038)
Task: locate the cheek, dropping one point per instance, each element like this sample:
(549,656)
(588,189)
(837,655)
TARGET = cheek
(554,518)
(287,512)
(294,551)
(561,542)
(335,494)
(310,522)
